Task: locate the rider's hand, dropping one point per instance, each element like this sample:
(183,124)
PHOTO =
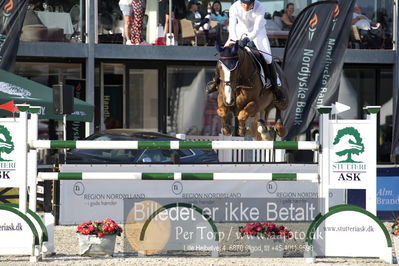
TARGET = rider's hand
(242,43)
(251,44)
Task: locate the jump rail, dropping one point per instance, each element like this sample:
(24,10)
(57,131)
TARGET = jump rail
(313,177)
(134,145)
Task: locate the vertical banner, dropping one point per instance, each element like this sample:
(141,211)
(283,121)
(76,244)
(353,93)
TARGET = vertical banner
(12,16)
(76,129)
(313,60)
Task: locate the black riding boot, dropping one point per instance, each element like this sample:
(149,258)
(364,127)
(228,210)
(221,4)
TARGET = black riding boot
(213,85)
(278,93)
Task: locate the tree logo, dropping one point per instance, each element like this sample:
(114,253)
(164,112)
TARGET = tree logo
(351,143)
(6,143)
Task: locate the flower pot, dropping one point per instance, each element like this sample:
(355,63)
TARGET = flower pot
(266,247)
(94,246)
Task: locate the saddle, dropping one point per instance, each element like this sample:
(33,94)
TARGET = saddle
(264,68)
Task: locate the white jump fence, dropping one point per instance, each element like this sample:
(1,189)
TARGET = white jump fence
(332,173)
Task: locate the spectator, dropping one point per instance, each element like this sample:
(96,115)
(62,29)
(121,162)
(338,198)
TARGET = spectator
(178,12)
(277,18)
(370,31)
(137,20)
(218,15)
(271,24)
(361,21)
(287,18)
(200,21)
(126,8)
(222,19)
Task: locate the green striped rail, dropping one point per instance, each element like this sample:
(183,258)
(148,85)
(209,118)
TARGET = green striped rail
(313,177)
(174,144)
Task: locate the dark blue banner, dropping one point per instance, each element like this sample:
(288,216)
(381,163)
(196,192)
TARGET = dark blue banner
(313,60)
(12,15)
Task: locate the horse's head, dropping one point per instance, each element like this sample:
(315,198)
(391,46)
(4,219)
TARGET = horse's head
(229,73)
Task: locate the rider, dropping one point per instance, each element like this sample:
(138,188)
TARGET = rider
(247,18)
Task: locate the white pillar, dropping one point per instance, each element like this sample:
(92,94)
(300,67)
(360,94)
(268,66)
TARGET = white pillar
(23,116)
(371,191)
(324,158)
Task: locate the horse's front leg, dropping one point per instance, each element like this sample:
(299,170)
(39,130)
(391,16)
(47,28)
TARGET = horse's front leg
(247,111)
(223,113)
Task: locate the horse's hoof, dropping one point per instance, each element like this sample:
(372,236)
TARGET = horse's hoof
(226,132)
(242,131)
(281,130)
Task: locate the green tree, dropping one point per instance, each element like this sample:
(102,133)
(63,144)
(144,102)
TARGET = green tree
(6,143)
(354,147)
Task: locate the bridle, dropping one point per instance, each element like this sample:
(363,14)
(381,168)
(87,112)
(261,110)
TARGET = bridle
(229,83)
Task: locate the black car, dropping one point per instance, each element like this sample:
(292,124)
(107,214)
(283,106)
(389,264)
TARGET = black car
(120,156)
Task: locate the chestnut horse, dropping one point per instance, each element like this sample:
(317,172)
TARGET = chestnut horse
(242,93)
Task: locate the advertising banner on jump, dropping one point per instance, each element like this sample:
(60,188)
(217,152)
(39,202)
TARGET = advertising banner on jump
(83,200)
(313,60)
(12,16)
(352,157)
(10,150)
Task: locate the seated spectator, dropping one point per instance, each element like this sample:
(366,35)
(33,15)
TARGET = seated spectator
(361,21)
(218,15)
(222,19)
(178,12)
(370,31)
(277,18)
(287,18)
(200,21)
(271,24)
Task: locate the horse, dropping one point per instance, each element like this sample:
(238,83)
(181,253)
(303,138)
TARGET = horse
(241,92)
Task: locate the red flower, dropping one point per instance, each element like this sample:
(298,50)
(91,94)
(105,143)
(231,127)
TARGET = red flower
(264,230)
(106,227)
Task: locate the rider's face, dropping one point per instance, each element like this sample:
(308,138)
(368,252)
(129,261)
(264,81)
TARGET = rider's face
(247,7)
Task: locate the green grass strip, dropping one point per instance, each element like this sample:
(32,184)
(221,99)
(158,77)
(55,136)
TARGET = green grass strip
(284,177)
(62,144)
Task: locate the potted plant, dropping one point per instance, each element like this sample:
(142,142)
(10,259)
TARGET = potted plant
(98,238)
(395,232)
(265,239)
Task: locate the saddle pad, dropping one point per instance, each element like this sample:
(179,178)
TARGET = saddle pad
(255,56)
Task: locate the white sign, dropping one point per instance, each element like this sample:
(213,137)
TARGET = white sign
(10,150)
(16,237)
(351,232)
(352,154)
(85,200)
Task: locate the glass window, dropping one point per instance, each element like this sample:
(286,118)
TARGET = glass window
(48,74)
(190,110)
(113,98)
(143,99)
(382,12)
(53,21)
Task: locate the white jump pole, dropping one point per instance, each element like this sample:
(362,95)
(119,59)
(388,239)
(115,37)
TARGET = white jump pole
(32,157)
(23,116)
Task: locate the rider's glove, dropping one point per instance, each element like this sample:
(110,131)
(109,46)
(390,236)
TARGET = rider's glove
(242,43)
(251,44)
